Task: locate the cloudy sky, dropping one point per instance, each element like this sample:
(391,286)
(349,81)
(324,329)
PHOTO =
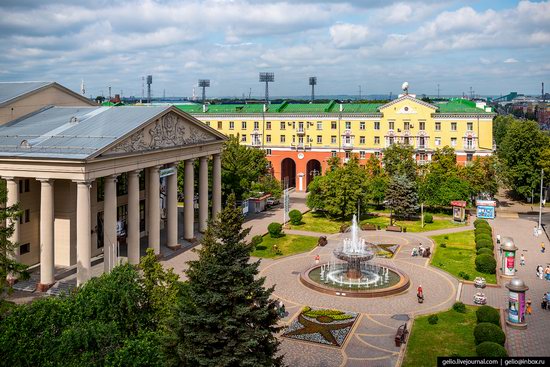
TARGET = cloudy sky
(492,46)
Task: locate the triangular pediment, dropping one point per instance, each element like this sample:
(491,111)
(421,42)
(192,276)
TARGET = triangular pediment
(405,100)
(174,129)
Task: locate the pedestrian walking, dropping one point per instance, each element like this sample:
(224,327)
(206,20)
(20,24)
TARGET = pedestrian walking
(522,260)
(540,271)
(317,259)
(498,239)
(529,308)
(542,247)
(547,272)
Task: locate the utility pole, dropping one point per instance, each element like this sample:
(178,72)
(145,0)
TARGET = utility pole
(437,90)
(422,206)
(540,200)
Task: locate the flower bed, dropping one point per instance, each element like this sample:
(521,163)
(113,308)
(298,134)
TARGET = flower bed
(329,327)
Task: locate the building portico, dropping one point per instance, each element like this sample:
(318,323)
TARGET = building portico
(96,182)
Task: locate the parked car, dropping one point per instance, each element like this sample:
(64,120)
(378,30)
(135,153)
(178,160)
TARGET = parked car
(272,201)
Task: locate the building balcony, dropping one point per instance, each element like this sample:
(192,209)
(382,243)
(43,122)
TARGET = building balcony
(469,147)
(300,131)
(256,143)
(347,146)
(422,147)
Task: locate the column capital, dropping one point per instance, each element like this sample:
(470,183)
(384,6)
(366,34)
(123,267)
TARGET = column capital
(156,167)
(111,177)
(189,161)
(203,158)
(9,178)
(84,182)
(44,180)
(134,172)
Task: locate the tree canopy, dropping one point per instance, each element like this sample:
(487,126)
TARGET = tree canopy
(402,197)
(398,160)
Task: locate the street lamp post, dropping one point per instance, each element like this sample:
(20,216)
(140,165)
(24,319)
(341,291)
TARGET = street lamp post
(540,199)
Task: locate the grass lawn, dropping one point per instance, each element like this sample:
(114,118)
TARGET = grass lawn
(452,335)
(318,222)
(459,255)
(413,225)
(289,244)
(388,211)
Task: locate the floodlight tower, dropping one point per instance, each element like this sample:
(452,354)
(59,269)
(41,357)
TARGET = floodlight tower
(149,82)
(204,83)
(267,78)
(313,83)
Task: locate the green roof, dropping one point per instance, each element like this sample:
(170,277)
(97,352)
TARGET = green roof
(459,106)
(361,107)
(189,108)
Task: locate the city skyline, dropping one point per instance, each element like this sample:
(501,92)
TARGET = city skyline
(493,47)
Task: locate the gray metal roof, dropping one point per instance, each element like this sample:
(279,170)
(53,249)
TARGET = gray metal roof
(12,90)
(71,132)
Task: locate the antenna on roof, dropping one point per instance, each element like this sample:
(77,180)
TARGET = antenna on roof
(313,83)
(149,82)
(83,88)
(142,88)
(204,83)
(267,78)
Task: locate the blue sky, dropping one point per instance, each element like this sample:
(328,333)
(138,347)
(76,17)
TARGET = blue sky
(492,46)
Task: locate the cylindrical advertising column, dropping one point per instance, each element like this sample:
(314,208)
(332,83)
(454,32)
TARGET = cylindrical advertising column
(508,257)
(516,304)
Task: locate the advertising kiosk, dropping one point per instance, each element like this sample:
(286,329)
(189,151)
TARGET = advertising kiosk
(515,316)
(486,209)
(508,257)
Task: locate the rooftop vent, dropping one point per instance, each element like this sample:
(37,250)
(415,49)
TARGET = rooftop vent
(73,120)
(25,144)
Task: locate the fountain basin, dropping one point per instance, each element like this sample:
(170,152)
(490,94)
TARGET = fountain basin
(397,282)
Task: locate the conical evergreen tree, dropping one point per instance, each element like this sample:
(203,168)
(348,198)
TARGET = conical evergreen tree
(226,316)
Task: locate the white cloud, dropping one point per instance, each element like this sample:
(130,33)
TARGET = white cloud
(346,35)
(510,60)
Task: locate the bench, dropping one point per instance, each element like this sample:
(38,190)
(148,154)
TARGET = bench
(393,228)
(368,227)
(426,253)
(401,335)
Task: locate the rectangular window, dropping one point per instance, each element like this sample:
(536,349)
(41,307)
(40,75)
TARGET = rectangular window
(362,125)
(406,140)
(27,215)
(283,138)
(438,126)
(333,139)
(243,125)
(283,125)
(268,125)
(268,151)
(100,189)
(361,140)
(392,125)
(333,125)
(24,185)
(142,215)
(362,154)
(293,138)
(256,125)
(453,142)
(319,125)
(243,138)
(391,139)
(469,157)
(333,153)
(422,125)
(20,186)
(207,123)
(376,125)
(377,154)
(219,125)
(268,138)
(25,249)
(453,126)
(348,125)
(231,125)
(406,125)
(319,139)
(122,184)
(348,155)
(437,141)
(142,180)
(376,140)
(470,126)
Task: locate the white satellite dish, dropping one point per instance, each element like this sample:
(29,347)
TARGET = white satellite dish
(405,86)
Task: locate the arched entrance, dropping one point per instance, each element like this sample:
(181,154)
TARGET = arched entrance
(313,169)
(288,172)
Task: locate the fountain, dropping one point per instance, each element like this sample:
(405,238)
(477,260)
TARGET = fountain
(352,271)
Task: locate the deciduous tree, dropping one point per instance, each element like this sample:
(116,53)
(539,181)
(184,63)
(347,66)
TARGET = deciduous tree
(398,160)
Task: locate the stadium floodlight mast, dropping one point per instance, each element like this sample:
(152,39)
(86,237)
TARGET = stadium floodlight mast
(267,78)
(313,83)
(203,83)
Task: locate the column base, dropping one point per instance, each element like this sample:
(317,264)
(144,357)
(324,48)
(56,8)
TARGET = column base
(175,247)
(192,239)
(43,287)
(520,326)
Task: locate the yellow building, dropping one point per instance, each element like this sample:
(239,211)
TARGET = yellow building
(300,138)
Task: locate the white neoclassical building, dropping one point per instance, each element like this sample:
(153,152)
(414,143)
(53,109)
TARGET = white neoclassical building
(78,172)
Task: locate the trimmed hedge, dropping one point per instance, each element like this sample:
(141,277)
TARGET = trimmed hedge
(256,240)
(479,222)
(486,263)
(488,314)
(490,349)
(428,218)
(484,244)
(487,332)
(459,307)
(295,216)
(433,319)
(483,236)
(275,230)
(485,250)
(483,230)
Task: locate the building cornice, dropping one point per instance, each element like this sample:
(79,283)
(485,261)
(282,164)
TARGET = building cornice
(284,116)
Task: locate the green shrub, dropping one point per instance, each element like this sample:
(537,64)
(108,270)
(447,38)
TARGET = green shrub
(486,263)
(486,231)
(295,216)
(488,314)
(459,307)
(484,243)
(485,250)
(256,240)
(464,275)
(490,349)
(275,230)
(446,237)
(482,236)
(479,222)
(443,245)
(487,332)
(433,319)
(428,218)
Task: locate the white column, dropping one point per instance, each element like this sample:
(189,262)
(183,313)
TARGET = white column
(83,232)
(13,199)
(216,185)
(47,264)
(109,223)
(203,194)
(172,210)
(132,230)
(188,191)
(154,209)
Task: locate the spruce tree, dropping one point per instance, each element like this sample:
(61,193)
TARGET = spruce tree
(225,316)
(402,196)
